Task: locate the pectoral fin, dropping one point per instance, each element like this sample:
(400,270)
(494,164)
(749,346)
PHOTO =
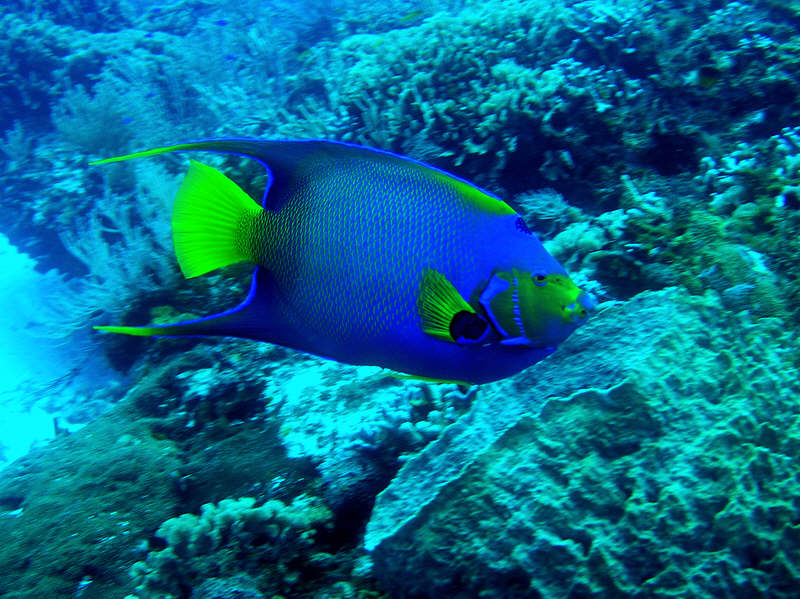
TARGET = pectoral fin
(445,314)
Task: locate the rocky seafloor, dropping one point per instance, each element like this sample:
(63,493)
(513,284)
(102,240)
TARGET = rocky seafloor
(653,455)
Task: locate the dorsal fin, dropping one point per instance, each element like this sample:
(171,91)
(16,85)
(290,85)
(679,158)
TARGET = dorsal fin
(283,159)
(280,159)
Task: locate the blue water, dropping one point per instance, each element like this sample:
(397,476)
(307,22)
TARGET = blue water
(653,147)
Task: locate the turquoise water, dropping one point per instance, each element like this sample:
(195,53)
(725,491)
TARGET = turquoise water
(654,148)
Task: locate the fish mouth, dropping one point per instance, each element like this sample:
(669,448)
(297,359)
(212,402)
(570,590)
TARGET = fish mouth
(588,301)
(580,310)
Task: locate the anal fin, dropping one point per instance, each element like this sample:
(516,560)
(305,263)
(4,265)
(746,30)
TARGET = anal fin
(254,318)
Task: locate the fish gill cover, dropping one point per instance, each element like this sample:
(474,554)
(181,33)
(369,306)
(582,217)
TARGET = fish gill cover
(654,148)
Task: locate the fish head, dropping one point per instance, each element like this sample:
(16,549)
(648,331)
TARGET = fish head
(534,309)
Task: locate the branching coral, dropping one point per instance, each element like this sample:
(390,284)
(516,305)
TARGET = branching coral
(755,187)
(490,89)
(271,543)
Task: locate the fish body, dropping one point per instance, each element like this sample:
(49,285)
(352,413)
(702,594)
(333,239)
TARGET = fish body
(367,257)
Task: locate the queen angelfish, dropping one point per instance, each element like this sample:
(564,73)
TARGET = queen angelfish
(368,257)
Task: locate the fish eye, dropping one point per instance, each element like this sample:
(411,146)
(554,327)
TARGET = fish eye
(540,279)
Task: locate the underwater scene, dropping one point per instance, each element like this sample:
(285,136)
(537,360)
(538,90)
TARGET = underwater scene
(337,299)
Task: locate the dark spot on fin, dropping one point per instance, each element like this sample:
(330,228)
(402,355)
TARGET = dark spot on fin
(468,327)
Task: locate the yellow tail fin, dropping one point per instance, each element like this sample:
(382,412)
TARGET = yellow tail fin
(212,222)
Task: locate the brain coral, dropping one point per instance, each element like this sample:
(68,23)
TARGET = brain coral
(663,464)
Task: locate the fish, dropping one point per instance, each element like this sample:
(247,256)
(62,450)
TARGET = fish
(370,258)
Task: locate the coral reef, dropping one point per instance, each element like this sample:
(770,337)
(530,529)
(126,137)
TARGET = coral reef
(496,103)
(73,515)
(569,445)
(194,431)
(584,99)
(753,191)
(270,542)
(357,424)
(655,148)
